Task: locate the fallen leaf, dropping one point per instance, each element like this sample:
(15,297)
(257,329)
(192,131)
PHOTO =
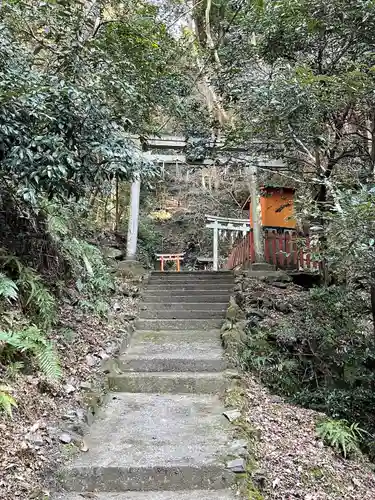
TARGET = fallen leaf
(84,446)
(356,482)
(276,482)
(35,427)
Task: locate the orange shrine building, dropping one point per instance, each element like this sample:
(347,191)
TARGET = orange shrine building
(277,208)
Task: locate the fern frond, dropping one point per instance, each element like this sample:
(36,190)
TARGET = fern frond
(30,288)
(8,288)
(7,402)
(44,352)
(32,340)
(13,369)
(48,362)
(13,339)
(38,299)
(88,266)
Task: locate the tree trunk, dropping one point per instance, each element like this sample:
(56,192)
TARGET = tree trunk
(372,295)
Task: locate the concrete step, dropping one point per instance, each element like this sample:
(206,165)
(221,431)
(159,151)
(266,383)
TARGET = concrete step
(190,287)
(182,306)
(221,285)
(207,296)
(150,442)
(273,275)
(149,335)
(190,281)
(168,383)
(178,324)
(193,274)
(155,495)
(171,352)
(188,313)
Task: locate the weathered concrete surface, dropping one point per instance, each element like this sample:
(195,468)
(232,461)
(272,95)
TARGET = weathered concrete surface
(195,278)
(157,495)
(196,287)
(179,324)
(173,383)
(151,442)
(267,274)
(163,436)
(181,306)
(186,297)
(183,352)
(202,283)
(162,335)
(188,313)
(194,275)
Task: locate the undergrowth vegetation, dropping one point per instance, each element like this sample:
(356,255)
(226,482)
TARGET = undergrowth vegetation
(84,261)
(29,300)
(341,436)
(322,357)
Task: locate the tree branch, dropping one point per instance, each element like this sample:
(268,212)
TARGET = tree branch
(301,144)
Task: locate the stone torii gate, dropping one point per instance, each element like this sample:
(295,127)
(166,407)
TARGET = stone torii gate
(225,225)
(178,144)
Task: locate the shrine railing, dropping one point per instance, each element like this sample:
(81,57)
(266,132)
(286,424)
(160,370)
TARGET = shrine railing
(283,248)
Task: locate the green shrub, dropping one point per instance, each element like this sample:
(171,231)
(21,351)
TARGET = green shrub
(35,298)
(149,241)
(87,267)
(340,435)
(322,357)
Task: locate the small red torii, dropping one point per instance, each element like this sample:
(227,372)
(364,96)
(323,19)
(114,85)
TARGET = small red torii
(166,257)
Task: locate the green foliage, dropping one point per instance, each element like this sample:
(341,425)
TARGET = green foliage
(98,307)
(8,288)
(36,300)
(350,251)
(65,98)
(322,357)
(7,402)
(32,341)
(150,241)
(13,369)
(340,435)
(86,263)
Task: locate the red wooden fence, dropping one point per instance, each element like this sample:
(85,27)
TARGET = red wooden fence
(286,250)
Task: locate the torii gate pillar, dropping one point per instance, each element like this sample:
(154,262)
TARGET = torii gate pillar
(216,247)
(131,248)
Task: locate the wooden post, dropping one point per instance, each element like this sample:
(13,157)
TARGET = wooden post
(256,212)
(131,249)
(216,247)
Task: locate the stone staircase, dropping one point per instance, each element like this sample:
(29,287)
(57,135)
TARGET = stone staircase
(163,435)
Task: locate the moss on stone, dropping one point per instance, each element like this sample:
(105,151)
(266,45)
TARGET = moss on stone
(235,397)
